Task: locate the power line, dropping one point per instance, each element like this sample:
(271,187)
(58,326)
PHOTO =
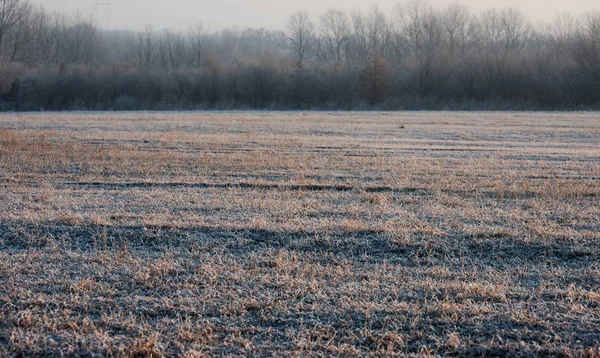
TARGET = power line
(98,4)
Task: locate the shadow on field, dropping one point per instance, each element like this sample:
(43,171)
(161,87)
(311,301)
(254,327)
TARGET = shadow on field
(495,250)
(396,191)
(241,185)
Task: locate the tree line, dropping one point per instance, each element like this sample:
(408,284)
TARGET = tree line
(414,57)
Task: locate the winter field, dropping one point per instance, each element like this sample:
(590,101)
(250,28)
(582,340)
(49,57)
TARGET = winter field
(299,234)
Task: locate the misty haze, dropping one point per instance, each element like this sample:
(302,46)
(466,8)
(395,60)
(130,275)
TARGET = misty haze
(299,179)
(272,15)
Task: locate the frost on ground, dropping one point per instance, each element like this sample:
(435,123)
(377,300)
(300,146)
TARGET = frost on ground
(269,234)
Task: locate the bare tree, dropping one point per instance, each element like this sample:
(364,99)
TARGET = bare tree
(172,50)
(359,40)
(410,18)
(257,43)
(458,27)
(422,29)
(585,49)
(22,33)
(197,39)
(558,36)
(335,31)
(504,36)
(505,30)
(301,37)
(561,29)
(82,40)
(58,34)
(378,30)
(42,40)
(145,48)
(12,13)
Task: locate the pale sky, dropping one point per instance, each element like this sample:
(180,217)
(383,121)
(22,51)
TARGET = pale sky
(273,14)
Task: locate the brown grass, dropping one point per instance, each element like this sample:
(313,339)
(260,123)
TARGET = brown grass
(280,234)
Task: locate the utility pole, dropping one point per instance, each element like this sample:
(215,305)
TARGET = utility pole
(106,4)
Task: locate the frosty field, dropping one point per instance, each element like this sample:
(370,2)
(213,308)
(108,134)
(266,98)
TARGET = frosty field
(299,234)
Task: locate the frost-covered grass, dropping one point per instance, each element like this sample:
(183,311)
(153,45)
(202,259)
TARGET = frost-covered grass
(307,234)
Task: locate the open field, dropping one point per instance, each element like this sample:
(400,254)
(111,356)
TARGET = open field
(270,234)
